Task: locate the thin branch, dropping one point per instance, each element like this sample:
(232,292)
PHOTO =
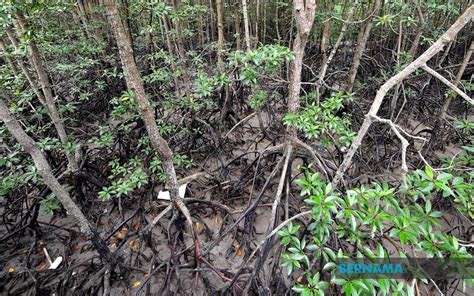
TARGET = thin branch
(448,83)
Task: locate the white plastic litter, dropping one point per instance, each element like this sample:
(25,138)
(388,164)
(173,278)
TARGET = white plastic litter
(165,195)
(56,263)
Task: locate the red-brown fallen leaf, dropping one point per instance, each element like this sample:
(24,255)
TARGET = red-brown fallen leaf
(136,226)
(239,251)
(43,266)
(11,269)
(134,245)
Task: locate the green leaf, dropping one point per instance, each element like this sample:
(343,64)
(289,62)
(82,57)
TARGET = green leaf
(428,206)
(429,172)
(329,265)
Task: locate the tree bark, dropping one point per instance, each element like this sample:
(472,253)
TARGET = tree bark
(237,25)
(200,25)
(48,94)
(135,84)
(246,24)
(326,34)
(328,59)
(44,170)
(304,17)
(9,60)
(220,35)
(359,51)
(24,69)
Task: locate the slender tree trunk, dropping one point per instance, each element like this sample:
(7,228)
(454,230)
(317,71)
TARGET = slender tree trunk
(304,16)
(84,19)
(326,34)
(135,84)
(48,95)
(237,17)
(44,170)
(126,22)
(257,19)
(179,34)
(220,35)
(264,20)
(359,51)
(277,25)
(169,44)
(394,102)
(200,25)
(211,23)
(322,72)
(26,72)
(419,32)
(467,58)
(246,24)
(9,60)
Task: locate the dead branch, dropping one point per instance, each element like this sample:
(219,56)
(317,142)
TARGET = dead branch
(447,37)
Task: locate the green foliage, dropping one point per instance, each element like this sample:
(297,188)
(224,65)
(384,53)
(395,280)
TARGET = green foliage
(132,175)
(129,177)
(320,121)
(105,138)
(367,218)
(258,99)
(466,126)
(49,204)
(266,59)
(125,106)
(183,161)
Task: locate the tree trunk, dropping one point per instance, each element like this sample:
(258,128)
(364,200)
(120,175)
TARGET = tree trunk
(44,170)
(246,24)
(179,34)
(359,51)
(26,72)
(467,58)
(84,20)
(327,61)
(220,36)
(135,83)
(257,19)
(200,25)
(48,94)
(237,25)
(9,60)
(304,16)
(169,44)
(326,34)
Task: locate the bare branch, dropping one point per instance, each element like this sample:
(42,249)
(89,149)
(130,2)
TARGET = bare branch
(448,83)
(446,38)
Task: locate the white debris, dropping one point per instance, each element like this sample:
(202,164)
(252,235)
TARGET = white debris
(165,195)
